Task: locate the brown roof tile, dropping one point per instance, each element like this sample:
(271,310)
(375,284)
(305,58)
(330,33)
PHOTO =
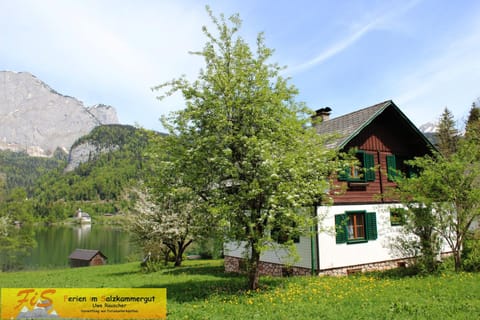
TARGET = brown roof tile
(345,127)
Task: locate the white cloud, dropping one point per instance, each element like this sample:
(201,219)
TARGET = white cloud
(373,21)
(114,51)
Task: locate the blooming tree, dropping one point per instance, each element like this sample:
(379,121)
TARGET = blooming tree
(244,146)
(168,220)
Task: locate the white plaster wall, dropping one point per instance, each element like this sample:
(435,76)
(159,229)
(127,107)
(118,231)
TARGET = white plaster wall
(331,254)
(334,255)
(277,254)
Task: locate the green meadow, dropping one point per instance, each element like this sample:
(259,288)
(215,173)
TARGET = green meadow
(201,290)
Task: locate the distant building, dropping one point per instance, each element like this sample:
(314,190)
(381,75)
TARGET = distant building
(85,258)
(83,217)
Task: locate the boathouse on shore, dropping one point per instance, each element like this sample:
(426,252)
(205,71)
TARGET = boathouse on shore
(86,258)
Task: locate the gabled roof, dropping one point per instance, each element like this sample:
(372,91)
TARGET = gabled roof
(346,127)
(84,254)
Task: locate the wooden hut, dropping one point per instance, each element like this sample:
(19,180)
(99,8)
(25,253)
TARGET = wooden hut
(85,258)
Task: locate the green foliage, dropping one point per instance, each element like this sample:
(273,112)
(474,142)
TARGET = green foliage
(471,252)
(100,185)
(151,266)
(422,223)
(17,206)
(447,135)
(449,185)
(211,248)
(170,214)
(107,136)
(19,170)
(472,129)
(243,144)
(201,290)
(15,243)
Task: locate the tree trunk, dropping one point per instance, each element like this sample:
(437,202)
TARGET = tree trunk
(178,260)
(253,269)
(179,254)
(458,260)
(165,261)
(182,246)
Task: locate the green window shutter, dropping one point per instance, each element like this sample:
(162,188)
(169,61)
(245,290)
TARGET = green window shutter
(391,167)
(344,174)
(340,228)
(368,165)
(371,225)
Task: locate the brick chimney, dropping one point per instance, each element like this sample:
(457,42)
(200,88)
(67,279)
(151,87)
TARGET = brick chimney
(323,114)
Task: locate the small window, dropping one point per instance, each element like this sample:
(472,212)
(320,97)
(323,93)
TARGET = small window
(362,170)
(403,168)
(397,216)
(355,227)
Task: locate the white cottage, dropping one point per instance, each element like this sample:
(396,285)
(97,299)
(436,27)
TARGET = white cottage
(357,231)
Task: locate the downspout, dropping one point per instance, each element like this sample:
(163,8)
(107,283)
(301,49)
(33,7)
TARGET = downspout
(314,244)
(312,251)
(317,242)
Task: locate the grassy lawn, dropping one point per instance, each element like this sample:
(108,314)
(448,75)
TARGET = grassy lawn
(201,290)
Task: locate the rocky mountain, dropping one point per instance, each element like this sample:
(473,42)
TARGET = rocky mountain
(429,129)
(102,139)
(37,119)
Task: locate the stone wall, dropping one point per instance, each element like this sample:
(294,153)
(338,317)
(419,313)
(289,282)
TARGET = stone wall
(377,266)
(360,268)
(237,265)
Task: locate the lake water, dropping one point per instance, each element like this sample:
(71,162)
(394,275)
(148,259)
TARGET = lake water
(56,243)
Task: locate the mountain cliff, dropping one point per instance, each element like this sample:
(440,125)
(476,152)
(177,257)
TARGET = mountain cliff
(100,140)
(38,120)
(429,130)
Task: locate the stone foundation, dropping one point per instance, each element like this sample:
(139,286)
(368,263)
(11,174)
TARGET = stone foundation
(237,265)
(360,268)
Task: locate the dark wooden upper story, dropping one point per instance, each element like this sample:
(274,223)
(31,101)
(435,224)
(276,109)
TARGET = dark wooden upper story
(385,138)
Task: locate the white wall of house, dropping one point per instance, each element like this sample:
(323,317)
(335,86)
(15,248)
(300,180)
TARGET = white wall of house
(277,254)
(333,255)
(341,255)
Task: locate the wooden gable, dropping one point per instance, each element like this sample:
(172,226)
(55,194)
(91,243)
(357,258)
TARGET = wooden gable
(386,137)
(390,131)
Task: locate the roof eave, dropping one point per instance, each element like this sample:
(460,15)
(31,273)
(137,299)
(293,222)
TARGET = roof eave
(376,114)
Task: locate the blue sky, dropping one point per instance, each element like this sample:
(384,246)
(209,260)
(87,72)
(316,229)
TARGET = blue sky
(424,54)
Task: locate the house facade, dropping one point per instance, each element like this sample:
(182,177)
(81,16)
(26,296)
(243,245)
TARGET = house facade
(356,232)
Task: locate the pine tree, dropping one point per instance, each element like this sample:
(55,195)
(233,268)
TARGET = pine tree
(472,129)
(447,135)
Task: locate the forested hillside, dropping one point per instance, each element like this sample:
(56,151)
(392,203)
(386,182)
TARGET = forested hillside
(98,186)
(19,170)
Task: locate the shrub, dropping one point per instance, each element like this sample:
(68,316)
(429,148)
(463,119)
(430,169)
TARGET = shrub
(471,253)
